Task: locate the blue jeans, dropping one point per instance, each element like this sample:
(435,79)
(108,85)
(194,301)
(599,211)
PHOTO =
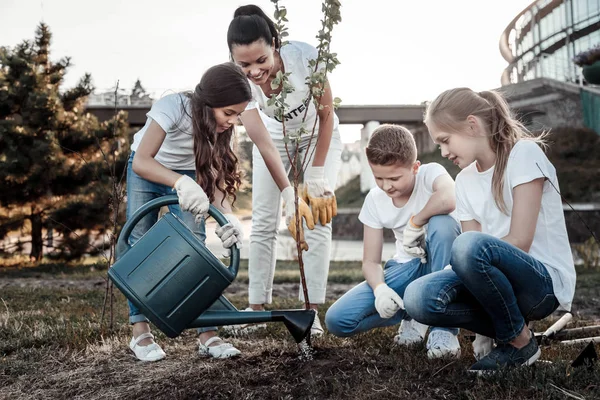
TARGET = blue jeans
(493,289)
(355,311)
(139,192)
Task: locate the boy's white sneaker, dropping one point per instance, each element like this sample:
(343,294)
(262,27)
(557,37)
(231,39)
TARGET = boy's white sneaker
(410,332)
(482,346)
(442,344)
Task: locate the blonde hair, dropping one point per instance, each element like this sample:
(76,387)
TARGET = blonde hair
(391,144)
(449,111)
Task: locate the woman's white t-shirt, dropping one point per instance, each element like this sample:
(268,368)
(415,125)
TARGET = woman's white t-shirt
(295,57)
(475,201)
(177,150)
(379,211)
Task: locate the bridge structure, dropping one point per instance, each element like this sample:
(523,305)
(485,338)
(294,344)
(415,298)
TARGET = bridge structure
(541,103)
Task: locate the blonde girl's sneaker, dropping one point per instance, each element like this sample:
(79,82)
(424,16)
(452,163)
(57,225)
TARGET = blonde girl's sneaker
(223,350)
(441,344)
(410,332)
(507,356)
(151,352)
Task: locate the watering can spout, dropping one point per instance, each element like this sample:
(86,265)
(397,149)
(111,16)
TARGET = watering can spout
(298,322)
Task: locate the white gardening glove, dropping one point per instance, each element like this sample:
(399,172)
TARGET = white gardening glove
(192,197)
(387,301)
(413,241)
(289,213)
(231,233)
(319,195)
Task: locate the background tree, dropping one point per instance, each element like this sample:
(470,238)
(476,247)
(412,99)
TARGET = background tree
(53,166)
(139,95)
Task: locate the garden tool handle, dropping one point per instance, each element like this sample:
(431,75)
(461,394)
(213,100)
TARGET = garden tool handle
(123,246)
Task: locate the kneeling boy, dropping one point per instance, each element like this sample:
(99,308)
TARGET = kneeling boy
(414,201)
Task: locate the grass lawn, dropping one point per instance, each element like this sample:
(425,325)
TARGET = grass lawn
(52,346)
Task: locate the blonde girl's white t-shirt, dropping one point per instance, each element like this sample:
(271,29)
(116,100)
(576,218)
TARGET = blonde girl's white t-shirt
(379,211)
(177,150)
(295,57)
(475,201)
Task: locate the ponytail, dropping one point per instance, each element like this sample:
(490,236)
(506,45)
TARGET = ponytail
(250,24)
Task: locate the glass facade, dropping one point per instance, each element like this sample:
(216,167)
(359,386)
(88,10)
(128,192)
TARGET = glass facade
(543,39)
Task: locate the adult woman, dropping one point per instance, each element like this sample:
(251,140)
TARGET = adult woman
(254,45)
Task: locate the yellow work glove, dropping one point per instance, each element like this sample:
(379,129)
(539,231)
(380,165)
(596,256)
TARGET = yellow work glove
(319,195)
(289,211)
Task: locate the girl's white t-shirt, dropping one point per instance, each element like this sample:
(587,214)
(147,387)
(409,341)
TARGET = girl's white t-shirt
(295,56)
(177,150)
(475,201)
(379,211)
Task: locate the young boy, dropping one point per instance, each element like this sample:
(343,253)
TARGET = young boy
(414,201)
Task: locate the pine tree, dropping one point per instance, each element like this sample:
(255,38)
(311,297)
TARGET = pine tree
(56,160)
(139,94)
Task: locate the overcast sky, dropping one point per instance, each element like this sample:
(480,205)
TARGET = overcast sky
(391,51)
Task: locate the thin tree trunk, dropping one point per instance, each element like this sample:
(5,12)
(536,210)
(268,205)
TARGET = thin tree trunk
(37,244)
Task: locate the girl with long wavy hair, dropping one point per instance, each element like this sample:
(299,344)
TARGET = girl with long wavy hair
(185,148)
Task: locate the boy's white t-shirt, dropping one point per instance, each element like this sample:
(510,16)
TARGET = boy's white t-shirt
(379,211)
(295,56)
(177,150)
(475,201)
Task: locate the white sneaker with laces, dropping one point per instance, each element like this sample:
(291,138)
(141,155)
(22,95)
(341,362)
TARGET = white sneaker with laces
(316,329)
(410,332)
(151,352)
(442,344)
(224,350)
(243,329)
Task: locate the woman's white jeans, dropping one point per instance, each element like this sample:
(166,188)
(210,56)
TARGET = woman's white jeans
(266,215)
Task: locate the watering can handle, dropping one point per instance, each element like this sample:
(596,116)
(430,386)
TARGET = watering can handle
(123,246)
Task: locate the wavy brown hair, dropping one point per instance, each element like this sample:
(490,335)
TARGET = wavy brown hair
(216,163)
(450,111)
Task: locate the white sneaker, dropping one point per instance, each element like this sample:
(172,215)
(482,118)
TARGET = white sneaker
(151,352)
(243,329)
(482,346)
(442,344)
(410,332)
(224,350)
(316,329)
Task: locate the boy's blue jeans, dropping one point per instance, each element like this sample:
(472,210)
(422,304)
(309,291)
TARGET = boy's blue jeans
(355,311)
(139,192)
(494,288)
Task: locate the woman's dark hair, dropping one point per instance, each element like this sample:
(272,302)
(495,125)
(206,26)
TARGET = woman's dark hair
(250,24)
(216,164)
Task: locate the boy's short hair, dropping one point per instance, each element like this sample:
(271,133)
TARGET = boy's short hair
(392,144)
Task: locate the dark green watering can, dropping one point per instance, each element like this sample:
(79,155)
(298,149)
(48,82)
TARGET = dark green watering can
(177,283)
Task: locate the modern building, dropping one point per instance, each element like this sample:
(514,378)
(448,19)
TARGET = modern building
(541,41)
